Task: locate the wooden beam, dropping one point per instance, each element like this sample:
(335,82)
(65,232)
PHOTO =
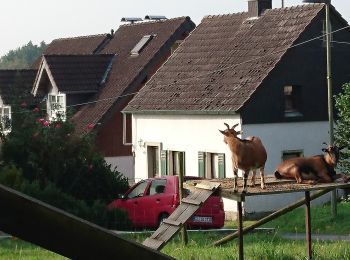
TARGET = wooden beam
(270,217)
(58,231)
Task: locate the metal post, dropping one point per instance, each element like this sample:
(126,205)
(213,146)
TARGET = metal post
(308,224)
(240,229)
(330,100)
(184,235)
(282,3)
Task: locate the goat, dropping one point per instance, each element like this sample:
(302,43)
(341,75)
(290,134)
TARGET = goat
(247,155)
(311,170)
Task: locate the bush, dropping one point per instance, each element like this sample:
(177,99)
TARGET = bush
(52,152)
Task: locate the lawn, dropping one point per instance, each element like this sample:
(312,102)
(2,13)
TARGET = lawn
(256,246)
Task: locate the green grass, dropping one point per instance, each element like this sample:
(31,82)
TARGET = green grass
(15,249)
(256,246)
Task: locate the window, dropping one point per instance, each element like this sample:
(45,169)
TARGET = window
(157,186)
(138,191)
(211,165)
(141,45)
(292,101)
(56,106)
(153,161)
(172,163)
(292,154)
(127,129)
(5,119)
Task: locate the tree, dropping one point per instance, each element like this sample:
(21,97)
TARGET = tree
(51,153)
(23,57)
(342,129)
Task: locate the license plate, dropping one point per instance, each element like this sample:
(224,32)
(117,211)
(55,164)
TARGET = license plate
(202,219)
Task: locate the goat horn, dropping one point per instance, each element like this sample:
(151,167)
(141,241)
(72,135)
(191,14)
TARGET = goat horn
(234,126)
(228,127)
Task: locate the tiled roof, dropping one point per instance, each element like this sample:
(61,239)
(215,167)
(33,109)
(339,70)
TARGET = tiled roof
(16,84)
(224,60)
(78,73)
(127,71)
(74,46)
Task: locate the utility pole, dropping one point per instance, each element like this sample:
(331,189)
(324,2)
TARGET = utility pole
(330,99)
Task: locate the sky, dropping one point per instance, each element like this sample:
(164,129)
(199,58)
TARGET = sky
(22,21)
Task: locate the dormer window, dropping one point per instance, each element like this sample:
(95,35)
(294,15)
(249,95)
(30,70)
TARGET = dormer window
(292,99)
(5,119)
(141,45)
(56,106)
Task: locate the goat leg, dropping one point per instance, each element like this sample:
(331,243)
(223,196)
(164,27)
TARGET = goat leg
(235,177)
(252,183)
(262,178)
(245,178)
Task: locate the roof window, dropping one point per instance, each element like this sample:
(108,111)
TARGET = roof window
(141,44)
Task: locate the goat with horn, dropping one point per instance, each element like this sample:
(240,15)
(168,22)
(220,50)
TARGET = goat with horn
(314,169)
(247,155)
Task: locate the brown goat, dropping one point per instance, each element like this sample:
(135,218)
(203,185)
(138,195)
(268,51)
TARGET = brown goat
(247,155)
(311,170)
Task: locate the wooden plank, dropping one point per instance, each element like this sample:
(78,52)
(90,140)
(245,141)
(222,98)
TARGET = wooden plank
(153,243)
(172,222)
(192,202)
(208,185)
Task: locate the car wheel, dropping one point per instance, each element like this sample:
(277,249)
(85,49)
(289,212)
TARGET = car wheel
(162,217)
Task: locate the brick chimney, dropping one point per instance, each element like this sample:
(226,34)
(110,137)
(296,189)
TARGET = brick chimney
(256,7)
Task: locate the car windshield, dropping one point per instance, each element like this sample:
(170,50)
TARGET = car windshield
(138,191)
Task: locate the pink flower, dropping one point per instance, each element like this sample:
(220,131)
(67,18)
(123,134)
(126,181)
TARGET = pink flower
(90,167)
(45,123)
(23,104)
(36,110)
(58,126)
(90,126)
(40,120)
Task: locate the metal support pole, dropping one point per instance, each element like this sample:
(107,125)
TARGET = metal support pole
(308,224)
(330,99)
(240,229)
(184,234)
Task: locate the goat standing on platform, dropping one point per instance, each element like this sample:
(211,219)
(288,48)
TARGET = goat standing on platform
(311,170)
(247,155)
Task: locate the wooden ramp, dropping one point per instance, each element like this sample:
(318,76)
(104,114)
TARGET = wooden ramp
(182,213)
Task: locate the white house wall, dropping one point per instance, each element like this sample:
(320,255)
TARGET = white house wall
(305,136)
(194,133)
(190,134)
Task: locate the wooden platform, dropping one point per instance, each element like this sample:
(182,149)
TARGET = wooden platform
(182,213)
(273,186)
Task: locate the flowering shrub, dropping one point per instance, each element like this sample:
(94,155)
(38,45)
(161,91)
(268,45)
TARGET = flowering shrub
(51,153)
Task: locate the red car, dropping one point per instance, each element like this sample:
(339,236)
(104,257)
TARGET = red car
(150,201)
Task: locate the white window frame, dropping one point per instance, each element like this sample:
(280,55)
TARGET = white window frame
(56,106)
(3,118)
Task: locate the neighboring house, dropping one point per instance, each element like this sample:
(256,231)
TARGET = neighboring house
(15,86)
(101,74)
(240,68)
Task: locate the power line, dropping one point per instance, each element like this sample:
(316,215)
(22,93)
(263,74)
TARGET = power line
(218,70)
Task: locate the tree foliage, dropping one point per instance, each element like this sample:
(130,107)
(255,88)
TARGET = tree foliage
(50,152)
(23,57)
(342,130)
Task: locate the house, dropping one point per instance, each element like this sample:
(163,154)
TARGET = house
(98,75)
(15,88)
(264,69)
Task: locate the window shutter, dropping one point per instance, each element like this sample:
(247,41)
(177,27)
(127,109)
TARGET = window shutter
(201,164)
(163,162)
(221,161)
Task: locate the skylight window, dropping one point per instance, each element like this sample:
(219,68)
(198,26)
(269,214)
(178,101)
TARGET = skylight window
(141,45)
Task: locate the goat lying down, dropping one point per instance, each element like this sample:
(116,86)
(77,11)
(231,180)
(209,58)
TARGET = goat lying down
(247,155)
(311,170)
